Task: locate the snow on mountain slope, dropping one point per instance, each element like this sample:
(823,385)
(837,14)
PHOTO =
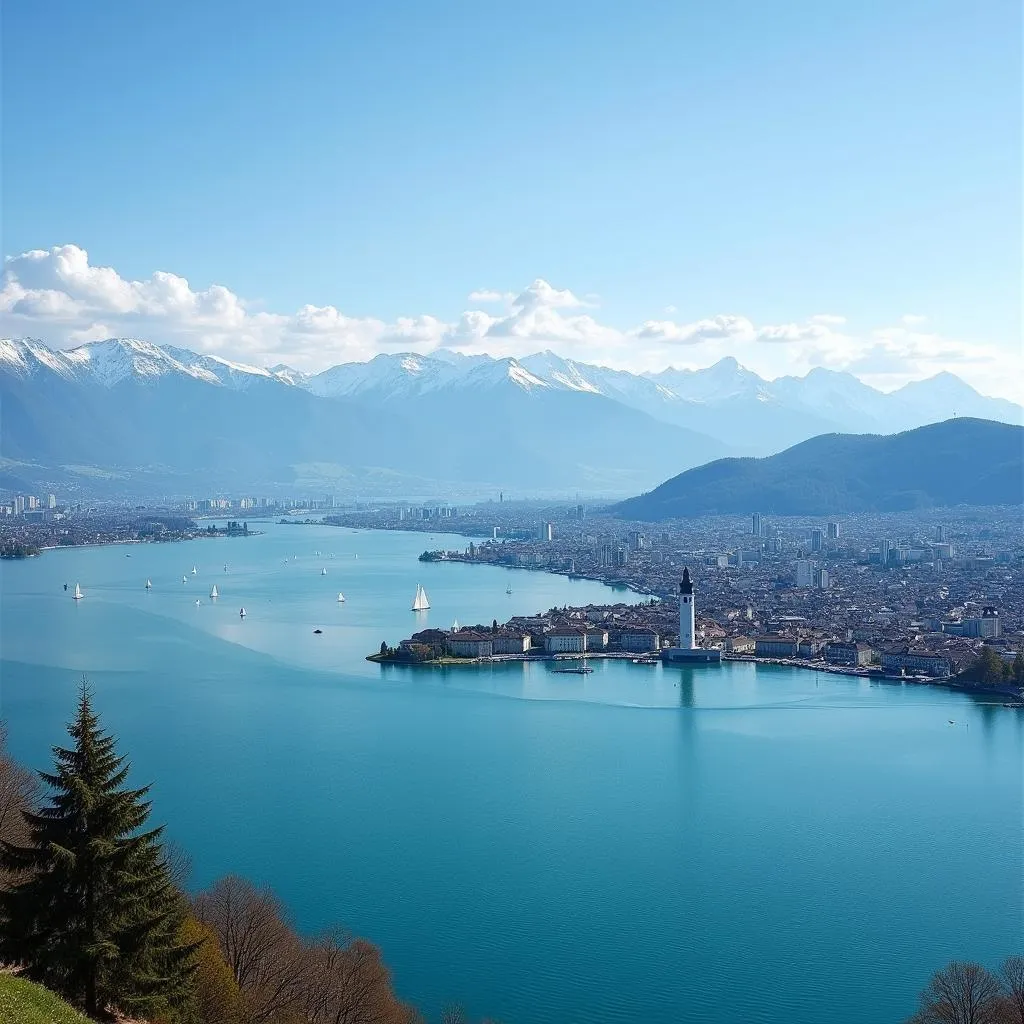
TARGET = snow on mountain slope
(725,379)
(725,400)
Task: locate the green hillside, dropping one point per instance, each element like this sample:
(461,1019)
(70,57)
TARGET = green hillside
(22,1002)
(958,462)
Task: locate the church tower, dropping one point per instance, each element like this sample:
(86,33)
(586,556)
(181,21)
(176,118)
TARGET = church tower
(687,630)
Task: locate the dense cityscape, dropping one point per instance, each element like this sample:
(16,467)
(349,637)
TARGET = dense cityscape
(905,594)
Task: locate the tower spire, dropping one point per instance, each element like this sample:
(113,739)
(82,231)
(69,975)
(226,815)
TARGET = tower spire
(686,584)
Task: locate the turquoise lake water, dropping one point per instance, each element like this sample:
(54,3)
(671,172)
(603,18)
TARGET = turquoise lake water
(732,843)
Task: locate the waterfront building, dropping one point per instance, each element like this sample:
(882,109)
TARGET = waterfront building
(435,639)
(566,640)
(597,639)
(740,644)
(925,663)
(776,645)
(837,653)
(510,642)
(467,643)
(639,640)
(687,649)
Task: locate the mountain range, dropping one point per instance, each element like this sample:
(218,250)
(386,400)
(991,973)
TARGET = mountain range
(169,420)
(962,461)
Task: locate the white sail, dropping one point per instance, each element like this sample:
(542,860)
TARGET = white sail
(149,584)
(341,597)
(420,602)
(184,579)
(241,613)
(213,592)
(194,570)
(198,602)
(323,571)
(78,595)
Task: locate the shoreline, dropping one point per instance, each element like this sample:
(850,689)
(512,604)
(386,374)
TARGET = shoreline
(1004,694)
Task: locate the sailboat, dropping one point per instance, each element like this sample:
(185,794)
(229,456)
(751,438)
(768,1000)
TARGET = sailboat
(198,602)
(149,584)
(241,613)
(508,590)
(323,571)
(184,579)
(420,602)
(341,597)
(78,595)
(213,593)
(194,570)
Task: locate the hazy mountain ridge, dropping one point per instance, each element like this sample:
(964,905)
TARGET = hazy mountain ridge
(962,461)
(178,422)
(537,422)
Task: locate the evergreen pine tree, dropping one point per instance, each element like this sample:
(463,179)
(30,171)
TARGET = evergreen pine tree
(96,916)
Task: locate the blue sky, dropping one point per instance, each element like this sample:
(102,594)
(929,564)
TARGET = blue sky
(663,162)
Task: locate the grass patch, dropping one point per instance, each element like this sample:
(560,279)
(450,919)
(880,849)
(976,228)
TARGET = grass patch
(22,1002)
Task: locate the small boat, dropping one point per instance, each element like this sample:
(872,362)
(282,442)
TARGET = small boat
(77,595)
(341,597)
(184,579)
(508,590)
(197,602)
(225,568)
(455,626)
(194,570)
(323,571)
(573,671)
(213,592)
(317,630)
(420,603)
(241,613)
(149,584)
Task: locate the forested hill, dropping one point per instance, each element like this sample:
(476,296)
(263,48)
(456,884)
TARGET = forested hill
(959,461)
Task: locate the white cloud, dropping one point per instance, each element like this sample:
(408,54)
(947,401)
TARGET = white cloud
(58,296)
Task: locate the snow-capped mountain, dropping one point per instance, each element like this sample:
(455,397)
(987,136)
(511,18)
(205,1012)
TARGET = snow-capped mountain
(538,421)
(114,360)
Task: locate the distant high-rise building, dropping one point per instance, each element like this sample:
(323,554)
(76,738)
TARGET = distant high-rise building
(19,505)
(822,579)
(51,501)
(621,556)
(32,502)
(833,531)
(940,535)
(803,572)
(756,526)
(547,532)
(884,550)
(817,540)
(637,541)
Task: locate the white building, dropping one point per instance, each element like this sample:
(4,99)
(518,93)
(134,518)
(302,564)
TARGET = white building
(803,572)
(687,650)
(687,615)
(566,641)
